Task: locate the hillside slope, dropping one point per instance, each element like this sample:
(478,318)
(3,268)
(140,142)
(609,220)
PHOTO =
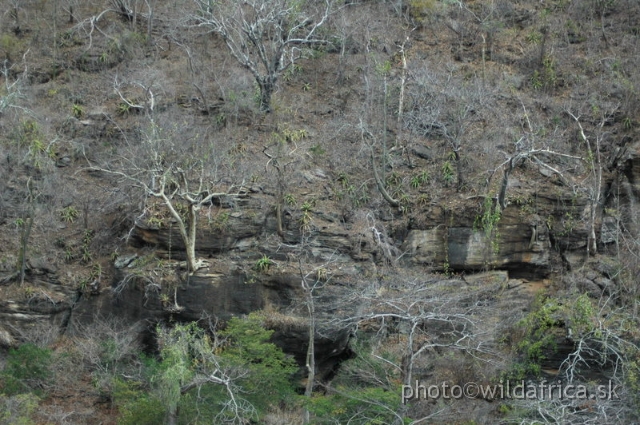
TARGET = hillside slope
(424,170)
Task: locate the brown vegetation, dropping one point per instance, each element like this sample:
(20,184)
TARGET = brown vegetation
(371,148)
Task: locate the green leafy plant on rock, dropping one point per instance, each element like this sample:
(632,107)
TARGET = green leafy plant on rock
(263,264)
(69,214)
(290,199)
(18,409)
(419,180)
(306,218)
(77,110)
(487,221)
(28,135)
(448,172)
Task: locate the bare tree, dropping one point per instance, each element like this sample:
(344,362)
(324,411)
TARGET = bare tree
(106,345)
(528,148)
(570,411)
(71,8)
(11,107)
(402,328)
(371,141)
(430,318)
(598,331)
(172,184)
(281,160)
(173,172)
(593,145)
(264,36)
(600,343)
(92,29)
(312,282)
(441,106)
(12,99)
(15,8)
(27,225)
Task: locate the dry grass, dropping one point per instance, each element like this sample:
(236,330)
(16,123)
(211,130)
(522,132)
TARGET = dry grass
(284,417)
(275,319)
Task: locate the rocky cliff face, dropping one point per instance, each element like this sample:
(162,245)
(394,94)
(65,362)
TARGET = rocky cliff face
(539,233)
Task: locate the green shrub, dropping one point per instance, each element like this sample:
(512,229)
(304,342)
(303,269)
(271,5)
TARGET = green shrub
(269,369)
(420,10)
(11,47)
(534,337)
(18,409)
(136,405)
(537,326)
(361,406)
(27,370)
(260,372)
(366,390)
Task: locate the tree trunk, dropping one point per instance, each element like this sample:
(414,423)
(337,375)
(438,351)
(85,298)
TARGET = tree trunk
(280,200)
(188,234)
(279,225)
(403,81)
(24,241)
(502,195)
(380,184)
(311,348)
(172,417)
(311,355)
(26,232)
(592,242)
(150,25)
(459,169)
(190,240)
(266,86)
(16,18)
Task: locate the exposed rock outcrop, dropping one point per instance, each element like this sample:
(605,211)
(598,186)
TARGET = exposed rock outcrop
(530,237)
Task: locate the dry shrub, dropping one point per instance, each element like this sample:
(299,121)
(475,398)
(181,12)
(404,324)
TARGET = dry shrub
(274,319)
(280,416)
(460,369)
